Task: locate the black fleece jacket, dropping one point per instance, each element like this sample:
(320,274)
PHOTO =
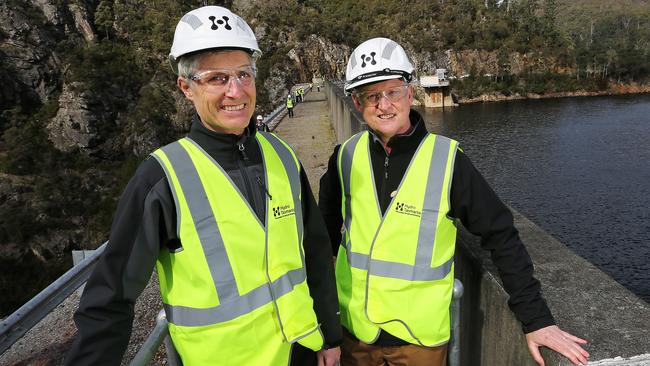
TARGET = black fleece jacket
(145,224)
(472,201)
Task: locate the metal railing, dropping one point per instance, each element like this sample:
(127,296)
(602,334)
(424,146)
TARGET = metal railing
(453,351)
(149,348)
(22,320)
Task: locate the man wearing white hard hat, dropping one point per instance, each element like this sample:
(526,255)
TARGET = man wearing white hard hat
(261,125)
(398,190)
(228,219)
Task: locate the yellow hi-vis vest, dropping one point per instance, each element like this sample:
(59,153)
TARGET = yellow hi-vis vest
(395,272)
(289,102)
(237,293)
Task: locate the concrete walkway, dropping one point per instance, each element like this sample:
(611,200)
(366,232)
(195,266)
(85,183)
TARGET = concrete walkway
(310,133)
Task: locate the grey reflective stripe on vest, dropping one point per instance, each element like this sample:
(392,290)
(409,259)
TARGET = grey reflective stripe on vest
(431,204)
(400,270)
(260,296)
(346,168)
(204,221)
(422,270)
(232,304)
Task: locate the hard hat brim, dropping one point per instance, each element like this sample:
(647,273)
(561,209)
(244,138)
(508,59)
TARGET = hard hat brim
(358,83)
(173,60)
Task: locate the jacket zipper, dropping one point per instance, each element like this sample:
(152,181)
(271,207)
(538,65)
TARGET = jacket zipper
(383,186)
(247,180)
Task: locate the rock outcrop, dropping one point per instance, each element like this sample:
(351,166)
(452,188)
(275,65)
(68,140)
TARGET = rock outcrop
(26,56)
(75,124)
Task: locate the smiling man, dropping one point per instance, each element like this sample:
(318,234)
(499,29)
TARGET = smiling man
(227,217)
(397,190)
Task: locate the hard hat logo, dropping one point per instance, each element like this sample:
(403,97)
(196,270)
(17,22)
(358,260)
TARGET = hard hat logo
(365,59)
(220,22)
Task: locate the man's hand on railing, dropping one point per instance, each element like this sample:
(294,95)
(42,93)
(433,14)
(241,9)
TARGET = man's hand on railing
(559,341)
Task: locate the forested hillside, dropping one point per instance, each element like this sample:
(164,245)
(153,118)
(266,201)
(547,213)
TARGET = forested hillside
(566,45)
(87,92)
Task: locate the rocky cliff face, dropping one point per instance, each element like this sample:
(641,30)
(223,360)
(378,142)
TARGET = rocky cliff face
(29,66)
(32,74)
(301,60)
(481,62)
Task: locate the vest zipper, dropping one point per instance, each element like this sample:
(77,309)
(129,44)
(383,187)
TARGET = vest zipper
(261,184)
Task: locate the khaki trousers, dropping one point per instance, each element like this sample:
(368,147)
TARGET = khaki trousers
(356,353)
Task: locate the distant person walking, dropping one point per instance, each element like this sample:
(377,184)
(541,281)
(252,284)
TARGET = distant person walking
(300,93)
(290,104)
(261,125)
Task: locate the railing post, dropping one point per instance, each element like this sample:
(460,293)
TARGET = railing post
(454,341)
(150,346)
(173,359)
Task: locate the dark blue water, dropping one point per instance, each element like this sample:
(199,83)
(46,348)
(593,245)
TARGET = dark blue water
(577,167)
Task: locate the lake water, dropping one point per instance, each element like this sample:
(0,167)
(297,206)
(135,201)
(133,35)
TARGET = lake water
(577,167)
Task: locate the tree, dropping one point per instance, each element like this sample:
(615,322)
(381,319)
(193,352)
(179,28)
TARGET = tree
(104,17)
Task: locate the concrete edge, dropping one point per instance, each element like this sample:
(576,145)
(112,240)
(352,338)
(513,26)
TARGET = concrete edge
(641,360)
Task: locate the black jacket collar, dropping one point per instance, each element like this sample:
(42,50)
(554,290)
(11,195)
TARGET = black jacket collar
(209,139)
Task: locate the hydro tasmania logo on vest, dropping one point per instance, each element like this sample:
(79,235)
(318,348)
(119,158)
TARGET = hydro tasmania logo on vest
(407,209)
(283,211)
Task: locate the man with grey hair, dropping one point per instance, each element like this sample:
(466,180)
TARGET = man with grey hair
(228,218)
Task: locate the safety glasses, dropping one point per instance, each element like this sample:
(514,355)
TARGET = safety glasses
(218,79)
(394,94)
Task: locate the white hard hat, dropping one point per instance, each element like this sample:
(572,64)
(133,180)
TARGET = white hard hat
(375,60)
(211,27)
(259,117)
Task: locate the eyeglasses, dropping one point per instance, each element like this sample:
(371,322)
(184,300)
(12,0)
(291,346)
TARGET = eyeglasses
(393,94)
(219,79)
